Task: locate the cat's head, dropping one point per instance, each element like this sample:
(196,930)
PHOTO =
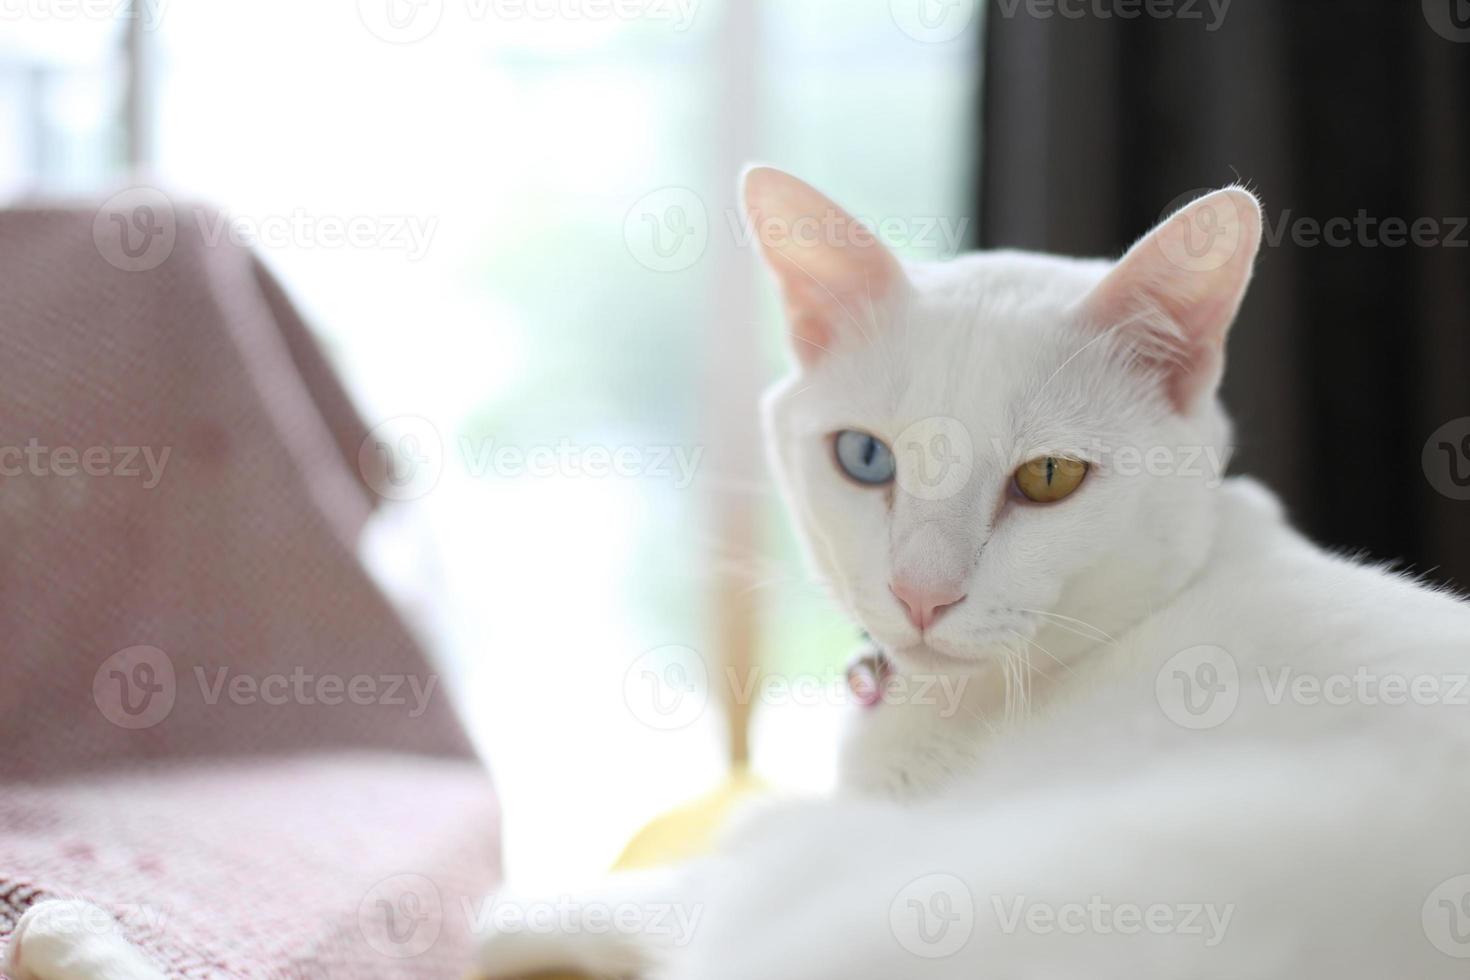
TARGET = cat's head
(932,439)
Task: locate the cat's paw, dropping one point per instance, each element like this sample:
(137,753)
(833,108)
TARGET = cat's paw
(617,926)
(525,953)
(69,939)
(507,955)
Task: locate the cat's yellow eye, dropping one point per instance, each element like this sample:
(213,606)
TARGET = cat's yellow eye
(1048,479)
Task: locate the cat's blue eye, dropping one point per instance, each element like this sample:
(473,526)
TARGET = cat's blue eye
(865,458)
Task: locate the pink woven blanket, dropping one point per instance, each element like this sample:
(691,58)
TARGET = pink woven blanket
(213,724)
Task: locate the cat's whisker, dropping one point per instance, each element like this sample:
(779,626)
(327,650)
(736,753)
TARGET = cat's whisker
(1018,680)
(1027,677)
(808,340)
(1067,628)
(1006,683)
(706,538)
(1015,670)
(1063,664)
(1102,633)
(1109,332)
(1081,634)
(732,560)
(813,588)
(872,309)
(823,286)
(757,580)
(756,569)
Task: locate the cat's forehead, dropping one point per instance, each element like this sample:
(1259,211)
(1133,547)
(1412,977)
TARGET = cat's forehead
(976,340)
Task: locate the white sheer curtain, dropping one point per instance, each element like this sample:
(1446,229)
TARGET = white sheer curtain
(463,194)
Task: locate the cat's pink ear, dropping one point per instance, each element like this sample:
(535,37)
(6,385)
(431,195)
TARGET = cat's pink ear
(1177,291)
(832,271)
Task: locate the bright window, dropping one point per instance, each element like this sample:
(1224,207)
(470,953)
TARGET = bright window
(544,268)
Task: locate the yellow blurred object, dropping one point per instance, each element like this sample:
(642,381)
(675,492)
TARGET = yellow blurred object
(689,830)
(681,834)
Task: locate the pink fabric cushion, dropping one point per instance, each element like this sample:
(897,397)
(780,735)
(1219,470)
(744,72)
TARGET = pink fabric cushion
(208,707)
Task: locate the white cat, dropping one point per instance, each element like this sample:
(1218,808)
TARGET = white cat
(1192,744)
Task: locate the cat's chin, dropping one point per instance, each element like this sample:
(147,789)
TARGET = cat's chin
(926,656)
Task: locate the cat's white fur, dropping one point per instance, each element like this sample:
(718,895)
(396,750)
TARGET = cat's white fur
(1310,835)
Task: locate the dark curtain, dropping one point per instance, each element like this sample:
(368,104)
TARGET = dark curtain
(1348,355)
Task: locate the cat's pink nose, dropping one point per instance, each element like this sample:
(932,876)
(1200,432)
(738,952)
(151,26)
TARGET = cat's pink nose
(923,604)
